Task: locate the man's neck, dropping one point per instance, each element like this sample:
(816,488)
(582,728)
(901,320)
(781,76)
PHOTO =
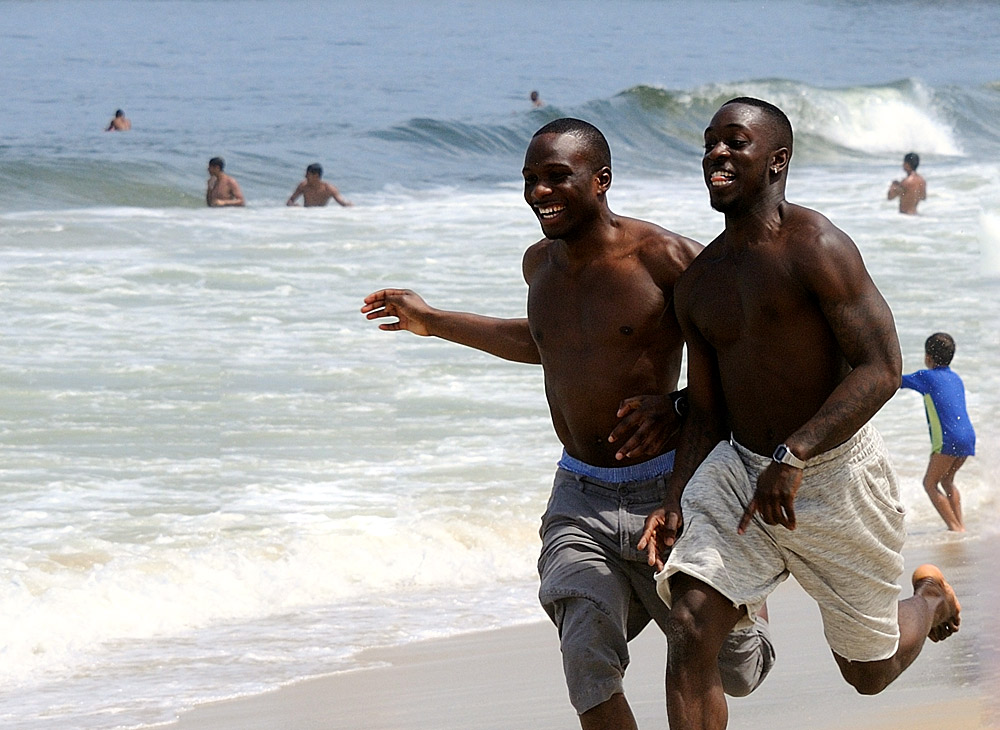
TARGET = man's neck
(757,223)
(594,240)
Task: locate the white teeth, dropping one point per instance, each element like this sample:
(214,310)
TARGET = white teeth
(720,178)
(549,210)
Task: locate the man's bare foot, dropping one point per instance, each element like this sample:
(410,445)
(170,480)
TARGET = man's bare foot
(929,581)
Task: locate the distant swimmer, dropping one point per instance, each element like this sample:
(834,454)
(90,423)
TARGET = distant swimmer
(912,188)
(953,439)
(536,100)
(314,191)
(120,123)
(222,189)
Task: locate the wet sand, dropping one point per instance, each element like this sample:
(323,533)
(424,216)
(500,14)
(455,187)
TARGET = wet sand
(511,679)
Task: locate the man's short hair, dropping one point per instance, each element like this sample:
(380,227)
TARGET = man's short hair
(217,162)
(119,113)
(940,347)
(784,134)
(598,150)
(315,168)
(912,159)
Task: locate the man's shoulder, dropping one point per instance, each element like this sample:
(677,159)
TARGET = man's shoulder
(656,241)
(805,224)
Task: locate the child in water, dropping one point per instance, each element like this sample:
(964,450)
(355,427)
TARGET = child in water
(952,436)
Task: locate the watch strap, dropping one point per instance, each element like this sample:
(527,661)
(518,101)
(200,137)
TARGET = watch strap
(784,455)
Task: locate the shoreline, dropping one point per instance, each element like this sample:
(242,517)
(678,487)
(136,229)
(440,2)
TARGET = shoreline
(511,678)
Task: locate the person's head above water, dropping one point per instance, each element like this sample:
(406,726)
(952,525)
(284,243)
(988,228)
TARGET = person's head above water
(315,169)
(912,159)
(217,162)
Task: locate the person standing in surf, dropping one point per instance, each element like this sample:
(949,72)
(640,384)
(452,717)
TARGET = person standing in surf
(953,438)
(791,351)
(222,189)
(600,322)
(316,192)
(119,123)
(911,189)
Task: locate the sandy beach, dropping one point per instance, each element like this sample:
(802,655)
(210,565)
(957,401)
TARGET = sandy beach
(511,678)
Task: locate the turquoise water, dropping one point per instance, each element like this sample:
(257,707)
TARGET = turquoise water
(215,475)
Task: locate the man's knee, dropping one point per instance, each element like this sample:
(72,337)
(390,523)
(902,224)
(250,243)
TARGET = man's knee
(594,651)
(865,677)
(746,659)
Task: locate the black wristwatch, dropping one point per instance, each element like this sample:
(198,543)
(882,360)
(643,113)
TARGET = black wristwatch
(784,455)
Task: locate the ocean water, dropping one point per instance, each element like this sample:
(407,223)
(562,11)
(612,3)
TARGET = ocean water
(216,476)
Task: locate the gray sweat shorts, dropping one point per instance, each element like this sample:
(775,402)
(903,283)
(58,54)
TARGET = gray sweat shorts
(844,551)
(598,589)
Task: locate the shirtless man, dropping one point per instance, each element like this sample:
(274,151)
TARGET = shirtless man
(601,324)
(120,123)
(791,350)
(222,189)
(314,191)
(911,189)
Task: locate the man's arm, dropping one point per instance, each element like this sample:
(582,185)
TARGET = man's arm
(297,194)
(236,194)
(509,339)
(335,194)
(231,195)
(703,427)
(863,326)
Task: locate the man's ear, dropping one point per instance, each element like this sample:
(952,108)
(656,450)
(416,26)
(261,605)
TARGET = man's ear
(779,159)
(603,178)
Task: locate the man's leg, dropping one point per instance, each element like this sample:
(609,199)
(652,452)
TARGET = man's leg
(612,714)
(937,470)
(932,612)
(586,592)
(595,656)
(700,620)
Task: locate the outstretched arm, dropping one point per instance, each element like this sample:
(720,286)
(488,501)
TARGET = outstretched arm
(509,339)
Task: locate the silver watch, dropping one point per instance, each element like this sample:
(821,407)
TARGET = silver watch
(784,455)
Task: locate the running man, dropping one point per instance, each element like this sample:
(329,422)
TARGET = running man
(601,324)
(791,351)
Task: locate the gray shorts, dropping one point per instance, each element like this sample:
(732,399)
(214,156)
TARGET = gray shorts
(845,550)
(598,589)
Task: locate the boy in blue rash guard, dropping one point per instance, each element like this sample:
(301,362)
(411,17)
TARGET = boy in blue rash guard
(952,436)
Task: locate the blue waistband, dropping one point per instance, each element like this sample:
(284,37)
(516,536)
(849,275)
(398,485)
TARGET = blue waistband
(658,466)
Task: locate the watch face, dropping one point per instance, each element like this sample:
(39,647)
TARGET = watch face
(780,453)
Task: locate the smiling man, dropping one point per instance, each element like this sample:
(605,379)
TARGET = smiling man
(601,324)
(791,351)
